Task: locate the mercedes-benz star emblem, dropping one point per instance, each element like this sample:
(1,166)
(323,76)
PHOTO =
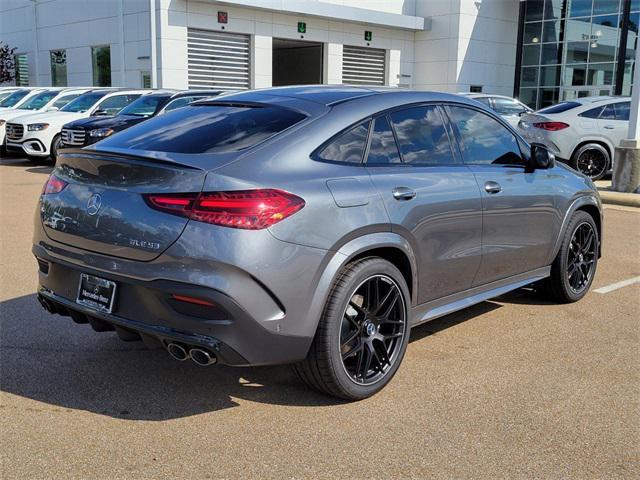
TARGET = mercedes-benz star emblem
(94,204)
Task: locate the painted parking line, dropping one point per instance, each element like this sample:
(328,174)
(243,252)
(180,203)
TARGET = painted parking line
(617,285)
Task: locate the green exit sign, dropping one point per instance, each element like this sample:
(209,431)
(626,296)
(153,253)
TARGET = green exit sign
(302,27)
(368,36)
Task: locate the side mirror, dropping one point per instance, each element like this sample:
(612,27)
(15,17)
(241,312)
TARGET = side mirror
(541,158)
(100,113)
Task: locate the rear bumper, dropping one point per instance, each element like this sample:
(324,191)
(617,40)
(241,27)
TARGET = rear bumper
(147,308)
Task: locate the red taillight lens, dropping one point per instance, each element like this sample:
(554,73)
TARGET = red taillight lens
(53,185)
(551,126)
(247,209)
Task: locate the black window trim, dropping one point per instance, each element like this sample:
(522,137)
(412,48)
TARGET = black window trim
(519,140)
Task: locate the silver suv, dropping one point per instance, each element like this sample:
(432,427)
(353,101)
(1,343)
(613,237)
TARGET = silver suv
(308,225)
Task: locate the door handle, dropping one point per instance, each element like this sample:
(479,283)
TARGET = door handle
(609,127)
(492,187)
(403,193)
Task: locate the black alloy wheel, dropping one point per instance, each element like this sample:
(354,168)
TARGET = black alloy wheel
(581,257)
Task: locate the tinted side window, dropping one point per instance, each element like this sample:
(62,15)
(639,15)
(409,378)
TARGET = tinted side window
(180,102)
(483,140)
(593,113)
(348,147)
(608,113)
(484,100)
(383,148)
(622,110)
(422,136)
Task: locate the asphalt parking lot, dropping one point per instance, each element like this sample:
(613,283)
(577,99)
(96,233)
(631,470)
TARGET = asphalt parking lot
(511,388)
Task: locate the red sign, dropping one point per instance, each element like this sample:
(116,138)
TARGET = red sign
(223,17)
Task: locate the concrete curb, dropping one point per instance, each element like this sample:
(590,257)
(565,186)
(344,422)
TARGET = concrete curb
(619,198)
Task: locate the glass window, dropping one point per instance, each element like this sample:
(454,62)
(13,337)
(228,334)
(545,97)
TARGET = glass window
(101,62)
(483,140)
(608,113)
(529,77)
(22,70)
(578,29)
(383,149)
(575,75)
(38,101)
(83,102)
(64,99)
(551,54)
(181,102)
(579,8)
(554,9)
(58,68)
(213,128)
(549,96)
(560,107)
(605,6)
(347,147)
(532,32)
(577,52)
(13,98)
(504,106)
(146,79)
(601,74)
(531,55)
(529,96)
(422,136)
(627,79)
(551,31)
(533,10)
(622,110)
(144,106)
(484,100)
(593,113)
(550,76)
(112,105)
(635,5)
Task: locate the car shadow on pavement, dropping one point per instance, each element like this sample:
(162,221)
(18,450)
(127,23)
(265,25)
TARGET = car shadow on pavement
(42,166)
(50,359)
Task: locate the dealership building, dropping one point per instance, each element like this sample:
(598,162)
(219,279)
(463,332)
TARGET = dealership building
(541,51)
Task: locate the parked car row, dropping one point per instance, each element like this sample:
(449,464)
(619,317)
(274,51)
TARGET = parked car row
(37,122)
(582,133)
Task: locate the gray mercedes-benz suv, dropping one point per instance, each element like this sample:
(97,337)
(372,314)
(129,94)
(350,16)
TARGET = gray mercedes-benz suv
(310,225)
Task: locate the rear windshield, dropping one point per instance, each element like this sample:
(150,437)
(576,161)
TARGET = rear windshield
(560,107)
(206,129)
(83,102)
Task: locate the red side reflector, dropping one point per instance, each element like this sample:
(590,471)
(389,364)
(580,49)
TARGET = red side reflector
(53,185)
(551,126)
(194,300)
(246,209)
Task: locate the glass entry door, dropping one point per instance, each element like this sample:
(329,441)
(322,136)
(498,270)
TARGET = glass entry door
(570,93)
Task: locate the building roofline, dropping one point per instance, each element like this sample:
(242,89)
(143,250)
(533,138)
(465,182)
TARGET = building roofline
(335,11)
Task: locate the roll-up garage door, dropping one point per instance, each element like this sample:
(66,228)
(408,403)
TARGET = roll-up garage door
(363,66)
(218,60)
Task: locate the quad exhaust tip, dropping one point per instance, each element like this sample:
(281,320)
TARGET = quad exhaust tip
(202,357)
(198,355)
(178,352)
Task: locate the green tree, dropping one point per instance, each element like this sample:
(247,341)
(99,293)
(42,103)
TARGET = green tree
(7,63)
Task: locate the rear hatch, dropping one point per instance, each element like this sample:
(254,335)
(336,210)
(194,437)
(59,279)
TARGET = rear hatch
(102,208)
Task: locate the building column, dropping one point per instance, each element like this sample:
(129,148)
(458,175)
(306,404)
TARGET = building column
(392,73)
(261,61)
(332,63)
(626,163)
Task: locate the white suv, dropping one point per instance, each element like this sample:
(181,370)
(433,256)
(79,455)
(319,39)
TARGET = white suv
(582,132)
(50,100)
(38,135)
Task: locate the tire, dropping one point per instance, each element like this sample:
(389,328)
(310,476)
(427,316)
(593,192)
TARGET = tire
(355,327)
(560,286)
(55,144)
(592,160)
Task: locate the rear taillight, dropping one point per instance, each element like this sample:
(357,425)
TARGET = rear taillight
(551,126)
(53,185)
(247,209)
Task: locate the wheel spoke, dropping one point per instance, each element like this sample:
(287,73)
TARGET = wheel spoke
(350,339)
(353,351)
(366,363)
(391,304)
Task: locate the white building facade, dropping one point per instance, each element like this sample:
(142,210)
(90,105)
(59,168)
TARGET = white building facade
(445,45)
